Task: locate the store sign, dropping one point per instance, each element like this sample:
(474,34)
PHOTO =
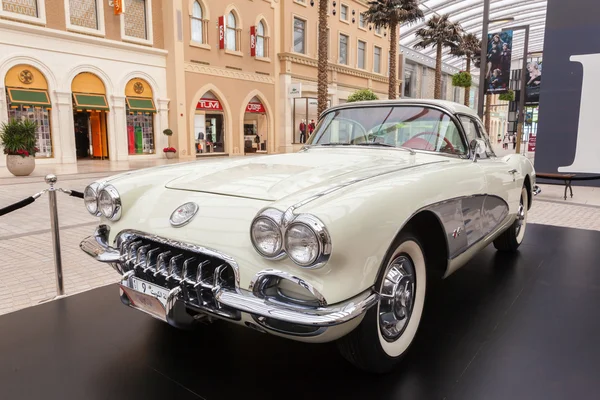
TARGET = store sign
(209,104)
(568,123)
(295,90)
(255,108)
(118,6)
(253,41)
(221,32)
(531,143)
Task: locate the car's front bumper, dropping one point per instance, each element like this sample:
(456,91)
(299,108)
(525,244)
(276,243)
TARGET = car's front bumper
(226,301)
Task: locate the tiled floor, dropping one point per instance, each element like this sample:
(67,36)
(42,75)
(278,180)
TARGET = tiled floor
(27,274)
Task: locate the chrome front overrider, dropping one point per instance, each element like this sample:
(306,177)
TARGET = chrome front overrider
(245,301)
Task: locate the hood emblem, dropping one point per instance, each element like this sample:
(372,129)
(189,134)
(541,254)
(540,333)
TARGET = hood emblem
(183,214)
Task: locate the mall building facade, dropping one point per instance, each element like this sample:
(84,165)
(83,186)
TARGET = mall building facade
(228,78)
(94,82)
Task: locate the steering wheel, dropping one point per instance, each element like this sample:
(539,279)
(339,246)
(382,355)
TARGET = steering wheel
(422,144)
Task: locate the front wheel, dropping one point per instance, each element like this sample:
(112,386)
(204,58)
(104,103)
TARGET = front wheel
(511,239)
(388,329)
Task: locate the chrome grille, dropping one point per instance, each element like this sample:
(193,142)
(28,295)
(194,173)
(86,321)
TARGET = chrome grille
(164,263)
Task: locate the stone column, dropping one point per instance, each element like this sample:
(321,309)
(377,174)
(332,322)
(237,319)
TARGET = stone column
(64,134)
(118,141)
(284,130)
(162,122)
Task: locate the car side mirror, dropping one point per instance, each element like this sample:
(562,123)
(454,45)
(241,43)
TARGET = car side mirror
(477,148)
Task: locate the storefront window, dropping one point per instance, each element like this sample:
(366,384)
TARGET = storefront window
(140,133)
(255,127)
(305,118)
(209,127)
(41,116)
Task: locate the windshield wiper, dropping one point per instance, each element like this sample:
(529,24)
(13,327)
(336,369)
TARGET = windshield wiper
(386,145)
(335,144)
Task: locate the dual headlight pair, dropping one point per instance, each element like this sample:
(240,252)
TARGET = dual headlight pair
(103,200)
(304,239)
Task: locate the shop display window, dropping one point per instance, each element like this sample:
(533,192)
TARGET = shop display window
(305,117)
(41,116)
(140,133)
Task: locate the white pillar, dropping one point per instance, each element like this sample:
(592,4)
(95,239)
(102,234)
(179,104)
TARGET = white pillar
(285,129)
(64,133)
(162,120)
(117,142)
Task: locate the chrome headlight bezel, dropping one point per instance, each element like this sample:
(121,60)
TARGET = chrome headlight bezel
(286,220)
(322,236)
(94,188)
(272,217)
(115,199)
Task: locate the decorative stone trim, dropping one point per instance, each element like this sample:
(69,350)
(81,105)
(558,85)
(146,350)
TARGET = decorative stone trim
(299,59)
(228,73)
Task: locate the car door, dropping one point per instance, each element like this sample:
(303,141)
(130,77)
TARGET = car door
(501,180)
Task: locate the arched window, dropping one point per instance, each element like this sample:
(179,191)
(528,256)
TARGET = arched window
(197,23)
(261,40)
(232,32)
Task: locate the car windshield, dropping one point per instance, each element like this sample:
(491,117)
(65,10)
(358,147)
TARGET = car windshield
(414,127)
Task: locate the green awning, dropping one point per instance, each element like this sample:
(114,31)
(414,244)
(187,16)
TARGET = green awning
(90,102)
(28,97)
(136,104)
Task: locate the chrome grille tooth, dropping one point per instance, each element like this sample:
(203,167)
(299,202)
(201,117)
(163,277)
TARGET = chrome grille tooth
(161,262)
(202,273)
(132,250)
(141,255)
(173,267)
(186,266)
(150,259)
(217,279)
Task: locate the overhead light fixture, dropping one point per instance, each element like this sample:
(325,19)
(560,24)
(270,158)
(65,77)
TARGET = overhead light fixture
(501,20)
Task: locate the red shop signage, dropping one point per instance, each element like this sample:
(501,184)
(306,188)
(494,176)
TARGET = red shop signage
(209,104)
(531,143)
(221,32)
(253,41)
(255,108)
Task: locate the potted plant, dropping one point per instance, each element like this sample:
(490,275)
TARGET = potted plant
(362,95)
(508,96)
(462,79)
(18,139)
(170,152)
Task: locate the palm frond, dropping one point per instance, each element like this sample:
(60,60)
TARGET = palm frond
(383,13)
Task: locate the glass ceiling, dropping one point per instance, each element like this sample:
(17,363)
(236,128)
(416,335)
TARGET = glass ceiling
(470,15)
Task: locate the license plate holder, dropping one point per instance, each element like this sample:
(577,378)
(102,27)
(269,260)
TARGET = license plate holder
(147,297)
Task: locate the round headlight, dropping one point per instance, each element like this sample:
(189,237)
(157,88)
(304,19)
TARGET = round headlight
(109,203)
(302,244)
(90,199)
(266,237)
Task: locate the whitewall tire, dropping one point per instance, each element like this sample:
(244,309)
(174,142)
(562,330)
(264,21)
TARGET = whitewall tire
(511,239)
(389,328)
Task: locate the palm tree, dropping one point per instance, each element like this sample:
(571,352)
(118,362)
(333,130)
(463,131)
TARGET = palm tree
(468,47)
(391,14)
(323,59)
(439,32)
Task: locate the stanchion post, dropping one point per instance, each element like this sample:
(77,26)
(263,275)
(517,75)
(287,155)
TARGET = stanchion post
(51,180)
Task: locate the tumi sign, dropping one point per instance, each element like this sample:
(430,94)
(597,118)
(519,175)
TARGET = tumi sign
(209,104)
(568,139)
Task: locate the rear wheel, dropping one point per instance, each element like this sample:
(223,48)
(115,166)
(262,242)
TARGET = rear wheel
(511,239)
(389,328)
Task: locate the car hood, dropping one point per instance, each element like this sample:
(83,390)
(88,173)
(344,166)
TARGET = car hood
(272,178)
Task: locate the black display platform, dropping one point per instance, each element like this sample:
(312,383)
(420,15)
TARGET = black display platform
(505,327)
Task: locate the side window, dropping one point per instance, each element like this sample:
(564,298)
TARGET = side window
(470,128)
(486,137)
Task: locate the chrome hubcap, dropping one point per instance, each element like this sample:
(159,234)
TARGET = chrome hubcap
(397,298)
(520,217)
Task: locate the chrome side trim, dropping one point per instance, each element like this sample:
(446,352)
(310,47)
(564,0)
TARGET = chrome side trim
(256,284)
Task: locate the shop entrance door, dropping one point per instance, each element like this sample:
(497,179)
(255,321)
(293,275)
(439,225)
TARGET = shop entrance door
(90,134)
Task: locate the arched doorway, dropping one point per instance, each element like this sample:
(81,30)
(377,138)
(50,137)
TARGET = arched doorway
(89,116)
(209,125)
(140,117)
(256,127)
(27,98)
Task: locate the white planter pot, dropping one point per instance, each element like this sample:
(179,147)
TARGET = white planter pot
(20,166)
(170,155)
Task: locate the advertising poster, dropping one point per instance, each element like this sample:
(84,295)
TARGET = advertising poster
(533,81)
(131,139)
(498,62)
(531,143)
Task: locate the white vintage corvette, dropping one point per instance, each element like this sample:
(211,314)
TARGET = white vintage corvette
(335,242)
